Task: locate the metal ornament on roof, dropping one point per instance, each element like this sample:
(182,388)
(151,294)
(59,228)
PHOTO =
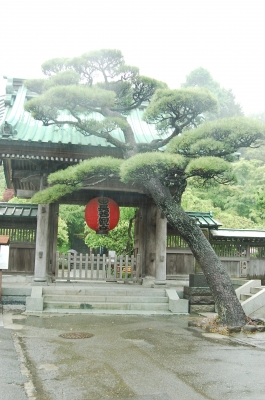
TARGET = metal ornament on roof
(102,214)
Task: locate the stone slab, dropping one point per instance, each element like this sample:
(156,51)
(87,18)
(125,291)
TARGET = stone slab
(177,305)
(16,291)
(197,291)
(34,304)
(13,300)
(197,280)
(201,300)
(198,308)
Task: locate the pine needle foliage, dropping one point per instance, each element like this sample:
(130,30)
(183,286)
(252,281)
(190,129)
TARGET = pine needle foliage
(207,168)
(53,193)
(173,108)
(144,166)
(220,137)
(98,166)
(73,178)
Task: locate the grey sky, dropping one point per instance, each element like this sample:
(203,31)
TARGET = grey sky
(166,39)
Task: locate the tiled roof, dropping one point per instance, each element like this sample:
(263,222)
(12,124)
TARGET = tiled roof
(18,125)
(13,210)
(204,219)
(2,107)
(238,233)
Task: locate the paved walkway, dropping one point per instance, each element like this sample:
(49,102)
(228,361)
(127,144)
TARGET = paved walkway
(125,357)
(12,380)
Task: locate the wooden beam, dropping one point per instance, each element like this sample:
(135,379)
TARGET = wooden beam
(115,185)
(55,151)
(24,173)
(25,194)
(8,173)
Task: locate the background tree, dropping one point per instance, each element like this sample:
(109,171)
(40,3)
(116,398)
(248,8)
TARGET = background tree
(73,216)
(120,239)
(255,153)
(194,199)
(239,199)
(228,107)
(7,195)
(100,82)
(62,237)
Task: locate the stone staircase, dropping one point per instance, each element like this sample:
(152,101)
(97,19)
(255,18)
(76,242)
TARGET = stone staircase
(251,295)
(105,300)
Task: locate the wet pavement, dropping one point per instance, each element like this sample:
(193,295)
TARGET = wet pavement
(12,380)
(126,357)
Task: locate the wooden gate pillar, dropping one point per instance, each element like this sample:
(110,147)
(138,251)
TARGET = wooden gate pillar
(161,248)
(53,223)
(150,238)
(47,224)
(139,237)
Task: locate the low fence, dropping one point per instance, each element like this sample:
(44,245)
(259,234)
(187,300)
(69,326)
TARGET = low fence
(248,268)
(75,267)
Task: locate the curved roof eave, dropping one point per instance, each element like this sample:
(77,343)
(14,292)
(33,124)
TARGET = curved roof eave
(19,125)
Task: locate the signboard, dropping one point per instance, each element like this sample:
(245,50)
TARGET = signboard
(4,256)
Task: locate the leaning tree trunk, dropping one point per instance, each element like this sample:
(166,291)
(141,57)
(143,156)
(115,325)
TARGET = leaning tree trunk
(228,306)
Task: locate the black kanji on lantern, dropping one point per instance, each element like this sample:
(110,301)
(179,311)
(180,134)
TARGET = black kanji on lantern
(103,214)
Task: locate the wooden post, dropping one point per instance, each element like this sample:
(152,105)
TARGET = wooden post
(53,232)
(42,254)
(161,248)
(4,240)
(140,236)
(150,238)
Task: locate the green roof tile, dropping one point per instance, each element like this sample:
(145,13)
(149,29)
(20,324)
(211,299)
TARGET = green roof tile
(25,128)
(14,210)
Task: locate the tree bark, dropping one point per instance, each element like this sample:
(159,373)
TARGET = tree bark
(228,306)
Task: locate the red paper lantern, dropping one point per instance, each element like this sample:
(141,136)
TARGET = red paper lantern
(102,214)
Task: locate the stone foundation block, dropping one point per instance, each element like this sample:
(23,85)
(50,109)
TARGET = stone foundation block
(249,328)
(199,308)
(177,305)
(234,329)
(201,300)
(35,301)
(197,280)
(196,291)
(34,304)
(260,328)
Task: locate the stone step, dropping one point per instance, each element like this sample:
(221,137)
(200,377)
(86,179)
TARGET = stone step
(118,292)
(106,306)
(105,312)
(245,296)
(199,308)
(254,302)
(254,290)
(104,298)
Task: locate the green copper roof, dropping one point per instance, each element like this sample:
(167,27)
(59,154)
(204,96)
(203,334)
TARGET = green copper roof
(18,125)
(204,219)
(2,107)
(14,210)
(238,234)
